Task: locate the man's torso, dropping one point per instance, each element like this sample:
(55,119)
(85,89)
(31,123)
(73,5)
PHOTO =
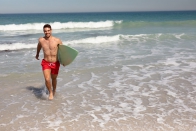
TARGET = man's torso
(50,48)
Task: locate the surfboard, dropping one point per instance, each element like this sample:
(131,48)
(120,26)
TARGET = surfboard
(66,54)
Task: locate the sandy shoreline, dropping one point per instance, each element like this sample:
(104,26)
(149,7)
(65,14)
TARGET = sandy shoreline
(91,100)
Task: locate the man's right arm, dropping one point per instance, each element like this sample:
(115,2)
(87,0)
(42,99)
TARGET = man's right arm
(38,50)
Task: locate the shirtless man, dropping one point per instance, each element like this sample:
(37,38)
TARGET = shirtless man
(50,63)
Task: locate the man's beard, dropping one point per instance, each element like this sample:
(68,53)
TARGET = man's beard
(47,35)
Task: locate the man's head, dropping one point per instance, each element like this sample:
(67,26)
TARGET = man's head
(47,30)
(47,26)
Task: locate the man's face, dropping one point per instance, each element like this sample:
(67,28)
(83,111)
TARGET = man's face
(47,32)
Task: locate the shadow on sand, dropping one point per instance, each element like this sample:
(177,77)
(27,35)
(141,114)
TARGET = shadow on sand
(39,92)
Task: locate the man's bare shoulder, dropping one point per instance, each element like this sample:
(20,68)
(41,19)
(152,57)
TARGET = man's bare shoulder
(57,40)
(41,39)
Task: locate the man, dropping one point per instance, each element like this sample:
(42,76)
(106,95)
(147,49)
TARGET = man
(50,63)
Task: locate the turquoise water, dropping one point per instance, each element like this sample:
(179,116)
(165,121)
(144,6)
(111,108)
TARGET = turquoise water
(22,28)
(134,71)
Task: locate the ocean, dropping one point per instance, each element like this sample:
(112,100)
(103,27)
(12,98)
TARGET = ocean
(135,71)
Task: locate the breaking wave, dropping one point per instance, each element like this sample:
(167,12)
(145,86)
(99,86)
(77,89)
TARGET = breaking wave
(115,39)
(59,25)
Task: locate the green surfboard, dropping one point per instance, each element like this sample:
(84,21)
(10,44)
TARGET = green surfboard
(66,54)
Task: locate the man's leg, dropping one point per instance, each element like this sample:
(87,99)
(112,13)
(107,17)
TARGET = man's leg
(54,82)
(47,76)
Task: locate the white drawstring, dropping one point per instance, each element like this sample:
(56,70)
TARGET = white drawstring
(51,64)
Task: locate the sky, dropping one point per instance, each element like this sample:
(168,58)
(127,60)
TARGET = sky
(55,6)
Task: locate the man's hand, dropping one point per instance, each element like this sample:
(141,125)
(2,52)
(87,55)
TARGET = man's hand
(37,57)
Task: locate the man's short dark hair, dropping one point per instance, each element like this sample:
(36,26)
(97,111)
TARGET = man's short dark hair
(47,26)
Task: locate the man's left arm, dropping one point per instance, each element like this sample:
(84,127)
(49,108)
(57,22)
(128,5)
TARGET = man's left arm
(59,41)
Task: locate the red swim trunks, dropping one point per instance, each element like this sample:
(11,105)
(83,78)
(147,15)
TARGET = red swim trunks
(54,67)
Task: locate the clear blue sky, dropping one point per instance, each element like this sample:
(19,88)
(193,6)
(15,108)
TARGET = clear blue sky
(47,6)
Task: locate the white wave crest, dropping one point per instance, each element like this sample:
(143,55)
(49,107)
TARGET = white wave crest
(17,46)
(59,25)
(91,40)
(95,40)
(100,40)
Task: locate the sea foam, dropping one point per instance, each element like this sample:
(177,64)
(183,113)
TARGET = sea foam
(101,40)
(60,25)
(16,46)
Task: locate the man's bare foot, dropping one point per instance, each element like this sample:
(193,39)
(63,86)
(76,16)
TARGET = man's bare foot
(50,96)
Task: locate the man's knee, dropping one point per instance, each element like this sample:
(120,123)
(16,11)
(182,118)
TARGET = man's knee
(47,79)
(54,77)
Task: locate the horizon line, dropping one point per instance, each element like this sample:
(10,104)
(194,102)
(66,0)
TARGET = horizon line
(97,12)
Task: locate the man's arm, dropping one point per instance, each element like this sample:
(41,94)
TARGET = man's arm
(38,50)
(60,42)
